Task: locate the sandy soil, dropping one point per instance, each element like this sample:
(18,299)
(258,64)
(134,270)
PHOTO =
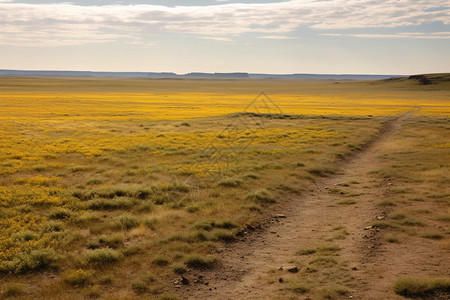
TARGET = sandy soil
(308,220)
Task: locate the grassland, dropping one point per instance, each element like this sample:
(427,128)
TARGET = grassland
(113,187)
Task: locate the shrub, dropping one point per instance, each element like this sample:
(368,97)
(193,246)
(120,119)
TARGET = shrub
(127,221)
(52,226)
(36,259)
(417,286)
(102,256)
(60,213)
(25,236)
(112,241)
(78,277)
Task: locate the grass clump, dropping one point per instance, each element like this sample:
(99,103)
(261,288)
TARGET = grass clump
(347,202)
(160,261)
(224,224)
(386,203)
(261,196)
(323,261)
(386,225)
(112,241)
(78,277)
(419,286)
(299,288)
(205,225)
(432,235)
(223,235)
(101,257)
(320,171)
(333,292)
(60,213)
(200,262)
(127,221)
(139,286)
(391,239)
(13,290)
(178,268)
(110,204)
(306,251)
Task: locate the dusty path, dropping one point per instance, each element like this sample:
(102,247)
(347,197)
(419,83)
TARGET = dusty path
(310,220)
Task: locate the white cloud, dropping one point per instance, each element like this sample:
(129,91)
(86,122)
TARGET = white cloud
(66,23)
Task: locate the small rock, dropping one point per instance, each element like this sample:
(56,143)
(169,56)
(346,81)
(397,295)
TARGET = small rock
(381,218)
(368,227)
(292,269)
(184,281)
(354,269)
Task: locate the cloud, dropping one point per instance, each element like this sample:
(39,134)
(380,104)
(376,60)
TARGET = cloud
(401,35)
(217,38)
(275,37)
(69,24)
(406,35)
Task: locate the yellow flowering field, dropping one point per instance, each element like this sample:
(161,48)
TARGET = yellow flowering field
(108,178)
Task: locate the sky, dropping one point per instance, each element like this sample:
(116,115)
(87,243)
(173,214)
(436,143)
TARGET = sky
(397,37)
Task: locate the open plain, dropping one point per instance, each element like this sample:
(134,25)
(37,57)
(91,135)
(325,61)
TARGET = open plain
(224,189)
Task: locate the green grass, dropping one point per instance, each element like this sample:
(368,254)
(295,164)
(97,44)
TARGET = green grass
(200,262)
(100,257)
(420,286)
(432,235)
(78,277)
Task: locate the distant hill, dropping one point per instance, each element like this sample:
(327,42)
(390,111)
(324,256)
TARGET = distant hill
(325,76)
(426,79)
(237,75)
